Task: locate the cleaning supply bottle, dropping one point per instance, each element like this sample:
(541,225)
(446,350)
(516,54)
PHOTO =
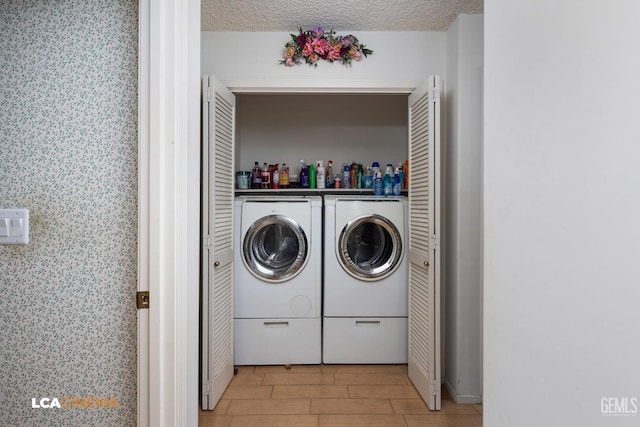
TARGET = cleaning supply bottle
(367,181)
(320,174)
(400,170)
(396,182)
(312,176)
(359,176)
(275,177)
(388,181)
(375,166)
(377,184)
(256,176)
(284,176)
(329,174)
(354,175)
(346,176)
(406,174)
(304,175)
(265,176)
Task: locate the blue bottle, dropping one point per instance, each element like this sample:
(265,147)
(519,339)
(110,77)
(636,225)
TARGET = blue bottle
(377,185)
(368,178)
(388,185)
(396,183)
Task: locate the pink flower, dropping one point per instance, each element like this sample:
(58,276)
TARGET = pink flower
(313,58)
(307,50)
(320,46)
(289,62)
(334,53)
(354,53)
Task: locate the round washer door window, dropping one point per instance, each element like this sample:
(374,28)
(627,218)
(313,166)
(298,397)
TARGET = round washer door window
(370,248)
(275,248)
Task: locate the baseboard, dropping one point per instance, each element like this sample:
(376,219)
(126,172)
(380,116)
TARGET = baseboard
(461,399)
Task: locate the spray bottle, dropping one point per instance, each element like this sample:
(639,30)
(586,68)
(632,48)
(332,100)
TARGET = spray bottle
(321,174)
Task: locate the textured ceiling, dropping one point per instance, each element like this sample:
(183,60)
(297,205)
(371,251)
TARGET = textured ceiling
(358,15)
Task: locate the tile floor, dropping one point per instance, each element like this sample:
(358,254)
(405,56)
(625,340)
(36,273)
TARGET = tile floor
(331,395)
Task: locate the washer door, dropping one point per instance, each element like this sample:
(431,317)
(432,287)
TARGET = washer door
(275,248)
(370,248)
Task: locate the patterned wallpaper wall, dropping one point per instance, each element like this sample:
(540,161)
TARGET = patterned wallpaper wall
(68,153)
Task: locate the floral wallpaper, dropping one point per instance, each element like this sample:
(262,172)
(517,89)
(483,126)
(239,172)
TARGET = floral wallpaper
(68,153)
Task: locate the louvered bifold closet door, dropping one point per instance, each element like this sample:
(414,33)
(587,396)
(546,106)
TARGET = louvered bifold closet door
(424,243)
(218,117)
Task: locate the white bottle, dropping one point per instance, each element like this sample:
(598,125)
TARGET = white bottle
(320,174)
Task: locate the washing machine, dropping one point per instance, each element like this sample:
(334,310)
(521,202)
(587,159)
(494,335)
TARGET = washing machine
(365,279)
(277,280)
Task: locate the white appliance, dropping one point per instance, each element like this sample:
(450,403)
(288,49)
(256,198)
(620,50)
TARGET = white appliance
(365,280)
(277,280)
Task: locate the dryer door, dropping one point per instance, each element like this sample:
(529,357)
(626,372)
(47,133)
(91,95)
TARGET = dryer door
(370,248)
(275,248)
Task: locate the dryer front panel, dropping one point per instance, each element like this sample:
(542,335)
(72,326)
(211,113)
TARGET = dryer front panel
(275,248)
(370,247)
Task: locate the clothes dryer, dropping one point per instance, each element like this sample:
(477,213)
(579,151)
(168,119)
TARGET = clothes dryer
(365,279)
(277,280)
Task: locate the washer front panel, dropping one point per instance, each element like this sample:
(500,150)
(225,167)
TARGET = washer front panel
(369,247)
(275,248)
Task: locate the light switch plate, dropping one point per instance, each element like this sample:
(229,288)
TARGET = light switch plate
(14,226)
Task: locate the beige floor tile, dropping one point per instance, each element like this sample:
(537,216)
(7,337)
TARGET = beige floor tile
(269,407)
(409,406)
(278,369)
(306,369)
(451,407)
(351,406)
(212,420)
(247,379)
(382,391)
(248,392)
(377,379)
(365,369)
(444,420)
(310,391)
(245,370)
(275,421)
(362,421)
(221,407)
(298,379)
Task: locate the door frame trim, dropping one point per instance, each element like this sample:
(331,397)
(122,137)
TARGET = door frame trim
(168,197)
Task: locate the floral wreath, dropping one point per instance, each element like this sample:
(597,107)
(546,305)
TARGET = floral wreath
(313,45)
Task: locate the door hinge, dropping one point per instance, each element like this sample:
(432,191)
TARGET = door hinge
(434,242)
(206,388)
(434,94)
(206,241)
(435,388)
(142,298)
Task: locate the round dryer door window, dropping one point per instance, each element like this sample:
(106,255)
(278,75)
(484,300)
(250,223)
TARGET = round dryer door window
(370,248)
(275,248)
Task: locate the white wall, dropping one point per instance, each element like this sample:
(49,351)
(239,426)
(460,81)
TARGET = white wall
(561,211)
(245,61)
(463,225)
